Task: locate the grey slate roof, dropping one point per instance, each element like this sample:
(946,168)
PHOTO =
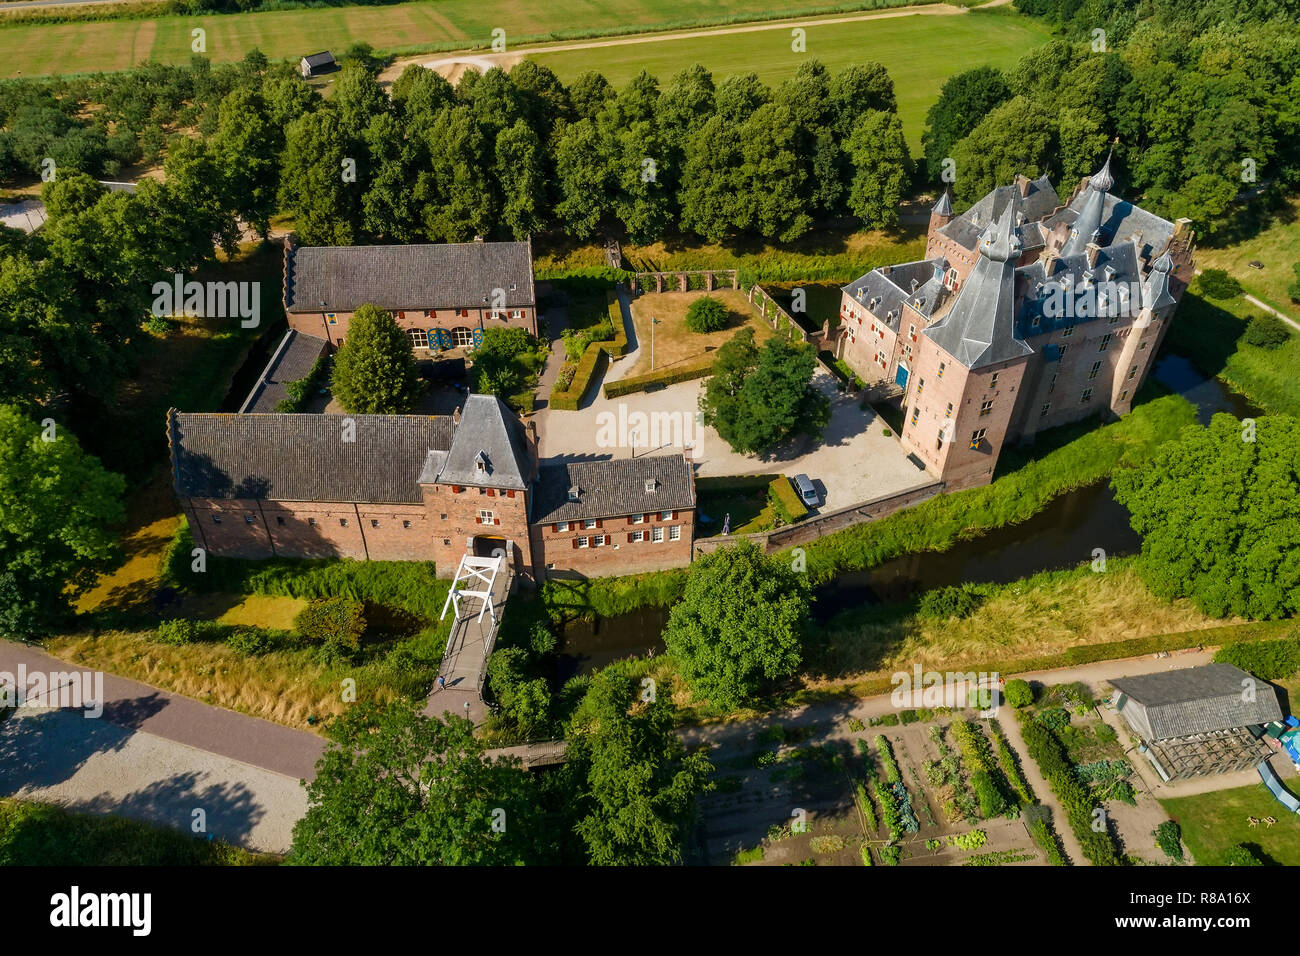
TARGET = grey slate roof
(1119,262)
(303,457)
(614,487)
(980,328)
(944,206)
(891,289)
(967,228)
(1197,700)
(444,276)
(293,360)
(324,58)
(489,431)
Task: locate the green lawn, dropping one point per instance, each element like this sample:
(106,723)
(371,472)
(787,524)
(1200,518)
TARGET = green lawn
(38,49)
(1207,330)
(1277,246)
(1215,822)
(919,51)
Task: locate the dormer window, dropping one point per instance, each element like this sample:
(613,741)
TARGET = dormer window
(573,492)
(480,463)
(650,485)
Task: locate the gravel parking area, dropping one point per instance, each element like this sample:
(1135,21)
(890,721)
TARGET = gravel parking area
(853,461)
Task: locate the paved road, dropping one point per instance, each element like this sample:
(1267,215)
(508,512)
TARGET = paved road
(140,708)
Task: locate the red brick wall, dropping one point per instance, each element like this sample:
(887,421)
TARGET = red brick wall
(955,461)
(861,345)
(315,323)
(310,529)
(618,555)
(454,522)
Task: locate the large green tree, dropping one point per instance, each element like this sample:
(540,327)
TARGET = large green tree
(1219,514)
(881,164)
(320,183)
(375,372)
(58,506)
(738,626)
(398,788)
(965,99)
(634,785)
(773,400)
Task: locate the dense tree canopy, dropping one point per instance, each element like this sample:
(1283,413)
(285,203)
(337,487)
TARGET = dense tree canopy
(757,398)
(397,788)
(58,507)
(1219,515)
(739,625)
(634,785)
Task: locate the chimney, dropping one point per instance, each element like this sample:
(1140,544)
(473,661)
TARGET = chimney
(455,419)
(1183,229)
(1092,250)
(1023,182)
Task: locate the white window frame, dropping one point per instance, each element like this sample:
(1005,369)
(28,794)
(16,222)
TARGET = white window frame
(486,516)
(588,524)
(597,540)
(675,532)
(665,516)
(562,526)
(419,338)
(582,540)
(657,535)
(638,535)
(638,519)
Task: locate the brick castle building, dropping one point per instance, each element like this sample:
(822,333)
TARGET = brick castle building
(1025,314)
(442,295)
(424,488)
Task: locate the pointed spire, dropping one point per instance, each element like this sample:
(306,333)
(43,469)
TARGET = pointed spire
(944,206)
(1164,264)
(1000,241)
(1102,180)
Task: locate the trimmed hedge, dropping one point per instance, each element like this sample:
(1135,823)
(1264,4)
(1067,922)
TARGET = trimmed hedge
(1267,660)
(570,399)
(1049,753)
(787,504)
(638,383)
(608,273)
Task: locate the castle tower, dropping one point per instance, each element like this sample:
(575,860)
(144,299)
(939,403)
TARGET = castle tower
(970,366)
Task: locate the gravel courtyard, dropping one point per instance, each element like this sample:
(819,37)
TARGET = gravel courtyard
(853,461)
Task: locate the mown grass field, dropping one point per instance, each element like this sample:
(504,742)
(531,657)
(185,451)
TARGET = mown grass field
(38,49)
(919,51)
(1213,823)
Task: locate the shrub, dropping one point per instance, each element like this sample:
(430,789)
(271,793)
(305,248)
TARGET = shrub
(1241,855)
(707,314)
(177,631)
(786,504)
(1265,332)
(959,601)
(1267,660)
(1217,284)
(335,622)
(1293,290)
(250,641)
(1168,838)
(1018,693)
